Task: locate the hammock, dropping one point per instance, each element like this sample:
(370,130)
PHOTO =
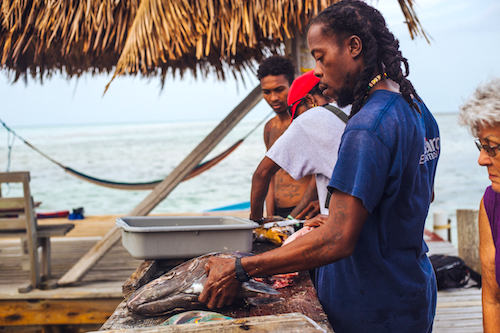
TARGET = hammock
(200,168)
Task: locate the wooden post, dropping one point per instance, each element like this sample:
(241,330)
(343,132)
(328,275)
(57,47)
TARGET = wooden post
(31,235)
(468,238)
(297,50)
(161,191)
(441,226)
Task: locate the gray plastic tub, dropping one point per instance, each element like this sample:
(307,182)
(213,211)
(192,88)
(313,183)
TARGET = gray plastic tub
(164,237)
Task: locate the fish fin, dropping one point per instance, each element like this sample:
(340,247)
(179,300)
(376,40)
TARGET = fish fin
(259,287)
(256,301)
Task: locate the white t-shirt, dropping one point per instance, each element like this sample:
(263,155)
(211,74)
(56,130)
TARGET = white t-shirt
(310,146)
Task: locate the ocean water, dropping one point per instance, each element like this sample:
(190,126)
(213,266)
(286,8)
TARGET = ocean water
(144,152)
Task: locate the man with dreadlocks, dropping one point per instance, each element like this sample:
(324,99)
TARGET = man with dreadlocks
(374,274)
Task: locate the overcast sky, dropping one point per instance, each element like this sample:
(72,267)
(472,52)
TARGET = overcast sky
(463,53)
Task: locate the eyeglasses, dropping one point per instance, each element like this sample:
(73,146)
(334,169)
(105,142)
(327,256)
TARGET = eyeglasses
(290,107)
(490,150)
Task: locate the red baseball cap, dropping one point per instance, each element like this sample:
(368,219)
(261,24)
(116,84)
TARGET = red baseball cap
(300,87)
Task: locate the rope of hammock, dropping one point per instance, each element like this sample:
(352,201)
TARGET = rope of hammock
(149,185)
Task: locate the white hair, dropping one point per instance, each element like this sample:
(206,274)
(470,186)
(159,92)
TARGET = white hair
(483,107)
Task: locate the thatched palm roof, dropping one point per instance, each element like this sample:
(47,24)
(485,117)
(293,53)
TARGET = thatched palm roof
(151,37)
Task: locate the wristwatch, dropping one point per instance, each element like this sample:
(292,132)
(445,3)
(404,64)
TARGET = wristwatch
(241,275)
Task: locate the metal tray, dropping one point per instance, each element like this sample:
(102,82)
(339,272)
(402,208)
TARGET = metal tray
(167,237)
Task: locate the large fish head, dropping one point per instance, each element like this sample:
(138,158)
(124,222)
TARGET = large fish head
(187,278)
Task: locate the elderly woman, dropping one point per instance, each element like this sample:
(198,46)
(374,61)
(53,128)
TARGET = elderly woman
(482,115)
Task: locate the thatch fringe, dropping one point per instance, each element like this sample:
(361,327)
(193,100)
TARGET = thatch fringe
(40,37)
(216,35)
(152,37)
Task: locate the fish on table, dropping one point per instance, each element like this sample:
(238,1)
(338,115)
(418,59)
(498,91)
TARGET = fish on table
(178,289)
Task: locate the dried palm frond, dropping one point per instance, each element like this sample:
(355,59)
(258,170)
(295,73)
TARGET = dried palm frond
(152,37)
(40,37)
(216,35)
(412,22)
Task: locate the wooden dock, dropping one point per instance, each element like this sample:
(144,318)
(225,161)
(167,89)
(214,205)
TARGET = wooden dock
(88,305)
(458,310)
(84,306)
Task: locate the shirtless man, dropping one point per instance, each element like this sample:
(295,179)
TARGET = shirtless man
(286,195)
(318,131)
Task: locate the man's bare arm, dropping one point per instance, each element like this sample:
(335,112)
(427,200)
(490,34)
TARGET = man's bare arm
(334,240)
(260,184)
(267,134)
(269,197)
(270,204)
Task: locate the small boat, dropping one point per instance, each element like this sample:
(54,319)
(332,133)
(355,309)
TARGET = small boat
(245,205)
(53,215)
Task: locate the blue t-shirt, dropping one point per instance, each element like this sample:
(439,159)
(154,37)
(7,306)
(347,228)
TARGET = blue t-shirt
(387,159)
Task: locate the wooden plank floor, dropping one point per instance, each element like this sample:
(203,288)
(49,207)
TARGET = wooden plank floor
(90,302)
(114,268)
(457,310)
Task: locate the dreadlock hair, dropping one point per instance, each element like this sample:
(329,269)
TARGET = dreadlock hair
(380,50)
(276,65)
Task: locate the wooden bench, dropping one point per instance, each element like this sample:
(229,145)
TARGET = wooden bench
(18,219)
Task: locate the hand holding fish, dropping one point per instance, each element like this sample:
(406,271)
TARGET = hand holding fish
(310,211)
(221,287)
(262,220)
(316,221)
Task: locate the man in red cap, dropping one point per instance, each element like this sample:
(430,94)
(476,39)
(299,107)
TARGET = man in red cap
(308,147)
(276,74)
